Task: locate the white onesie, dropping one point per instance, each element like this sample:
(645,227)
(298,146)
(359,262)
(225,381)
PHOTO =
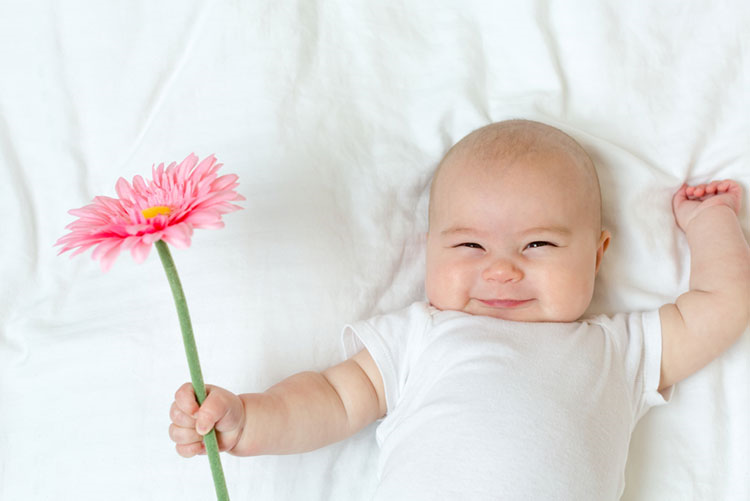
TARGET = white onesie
(481,408)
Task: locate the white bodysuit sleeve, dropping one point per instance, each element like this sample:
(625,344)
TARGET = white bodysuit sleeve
(638,337)
(390,339)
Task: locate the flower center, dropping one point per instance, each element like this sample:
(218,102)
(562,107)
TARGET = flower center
(155,211)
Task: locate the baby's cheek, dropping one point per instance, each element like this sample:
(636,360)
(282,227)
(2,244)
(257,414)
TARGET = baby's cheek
(449,287)
(573,296)
(432,281)
(438,287)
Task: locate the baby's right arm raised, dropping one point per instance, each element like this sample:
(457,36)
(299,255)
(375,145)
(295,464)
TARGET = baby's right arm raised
(303,412)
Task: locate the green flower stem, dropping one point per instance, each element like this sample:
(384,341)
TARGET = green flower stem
(191,351)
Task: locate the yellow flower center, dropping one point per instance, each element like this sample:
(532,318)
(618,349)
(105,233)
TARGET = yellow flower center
(155,211)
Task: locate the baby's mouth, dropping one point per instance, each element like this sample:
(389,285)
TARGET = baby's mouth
(505,303)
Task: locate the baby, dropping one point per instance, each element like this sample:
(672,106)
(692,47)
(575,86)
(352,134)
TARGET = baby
(495,387)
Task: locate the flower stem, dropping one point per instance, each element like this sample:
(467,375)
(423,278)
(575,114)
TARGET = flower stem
(191,351)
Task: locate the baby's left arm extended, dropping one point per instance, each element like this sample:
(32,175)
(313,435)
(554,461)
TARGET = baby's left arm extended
(707,319)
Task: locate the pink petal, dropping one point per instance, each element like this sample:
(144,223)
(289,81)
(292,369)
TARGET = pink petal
(124,190)
(104,247)
(106,252)
(140,185)
(140,251)
(151,238)
(178,235)
(204,167)
(156,174)
(223,182)
(203,217)
(182,170)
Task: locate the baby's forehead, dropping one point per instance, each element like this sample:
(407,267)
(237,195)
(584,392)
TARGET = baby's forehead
(521,152)
(537,166)
(501,144)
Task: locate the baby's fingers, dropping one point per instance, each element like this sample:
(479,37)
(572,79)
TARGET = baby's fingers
(188,442)
(185,400)
(190,450)
(694,192)
(688,199)
(723,186)
(221,409)
(712,188)
(180,418)
(681,195)
(705,190)
(181,436)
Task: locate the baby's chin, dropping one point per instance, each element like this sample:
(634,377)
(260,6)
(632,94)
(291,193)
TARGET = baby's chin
(531,312)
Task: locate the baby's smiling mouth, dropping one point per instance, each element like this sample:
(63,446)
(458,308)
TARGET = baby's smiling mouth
(504,303)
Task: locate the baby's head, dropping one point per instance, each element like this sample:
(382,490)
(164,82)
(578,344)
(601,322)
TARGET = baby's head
(515,225)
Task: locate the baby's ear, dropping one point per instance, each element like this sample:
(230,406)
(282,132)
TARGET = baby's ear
(604,239)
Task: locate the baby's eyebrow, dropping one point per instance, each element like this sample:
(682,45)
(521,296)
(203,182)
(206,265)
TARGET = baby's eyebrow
(460,229)
(561,230)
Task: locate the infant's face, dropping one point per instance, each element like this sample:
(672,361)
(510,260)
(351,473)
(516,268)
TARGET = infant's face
(519,242)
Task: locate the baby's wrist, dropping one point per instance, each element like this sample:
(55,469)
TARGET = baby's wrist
(247,438)
(708,216)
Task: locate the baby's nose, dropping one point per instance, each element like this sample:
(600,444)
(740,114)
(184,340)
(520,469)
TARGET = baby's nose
(502,270)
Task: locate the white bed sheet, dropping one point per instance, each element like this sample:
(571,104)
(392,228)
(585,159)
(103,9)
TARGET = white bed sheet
(334,115)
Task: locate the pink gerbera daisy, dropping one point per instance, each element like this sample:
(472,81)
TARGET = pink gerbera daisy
(179,199)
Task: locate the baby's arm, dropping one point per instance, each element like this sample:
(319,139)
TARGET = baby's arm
(707,319)
(301,413)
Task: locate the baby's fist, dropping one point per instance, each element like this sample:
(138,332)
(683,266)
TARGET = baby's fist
(222,410)
(689,201)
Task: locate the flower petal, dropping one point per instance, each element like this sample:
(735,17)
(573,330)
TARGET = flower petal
(204,167)
(203,217)
(224,182)
(140,251)
(178,235)
(124,191)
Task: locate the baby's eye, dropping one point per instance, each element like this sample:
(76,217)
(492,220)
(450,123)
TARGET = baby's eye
(534,245)
(471,245)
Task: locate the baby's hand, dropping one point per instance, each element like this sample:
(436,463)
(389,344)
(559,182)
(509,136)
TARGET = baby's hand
(689,201)
(222,410)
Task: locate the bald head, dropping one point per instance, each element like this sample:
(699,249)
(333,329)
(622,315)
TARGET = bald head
(512,138)
(501,145)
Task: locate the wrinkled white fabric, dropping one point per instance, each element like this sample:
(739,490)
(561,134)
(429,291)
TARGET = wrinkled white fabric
(334,115)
